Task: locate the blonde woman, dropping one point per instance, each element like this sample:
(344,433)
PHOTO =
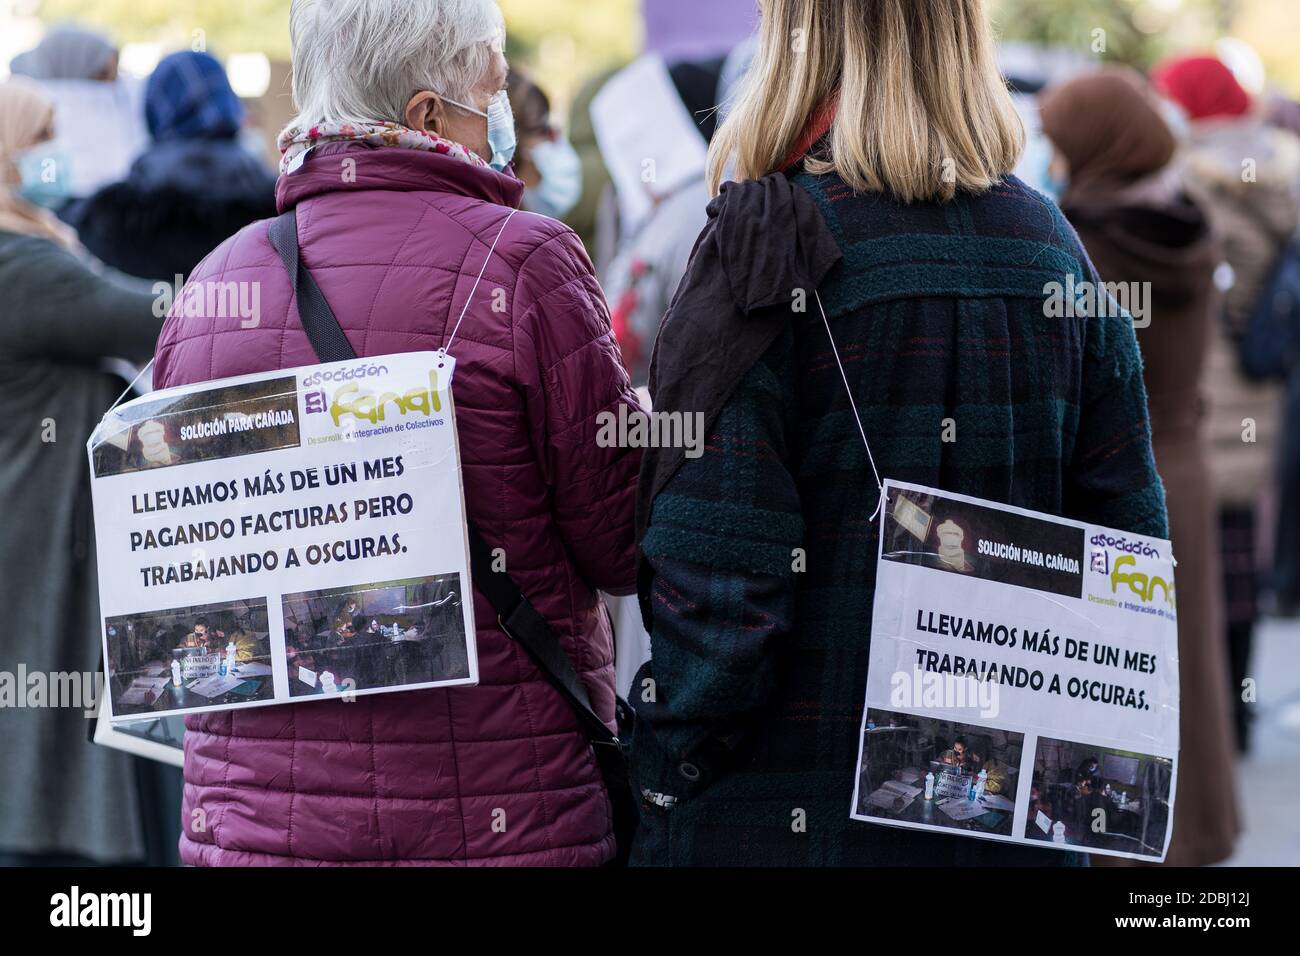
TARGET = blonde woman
(871,150)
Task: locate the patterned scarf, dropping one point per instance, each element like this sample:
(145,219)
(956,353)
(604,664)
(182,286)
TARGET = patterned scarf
(295,141)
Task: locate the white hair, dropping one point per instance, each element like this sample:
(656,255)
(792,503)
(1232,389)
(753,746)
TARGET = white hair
(361,61)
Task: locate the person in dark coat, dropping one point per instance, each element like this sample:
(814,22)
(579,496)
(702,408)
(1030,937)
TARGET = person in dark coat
(63,800)
(759,556)
(1246,174)
(1139,225)
(194,187)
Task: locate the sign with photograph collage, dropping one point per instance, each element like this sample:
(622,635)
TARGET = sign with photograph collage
(1023,680)
(290,535)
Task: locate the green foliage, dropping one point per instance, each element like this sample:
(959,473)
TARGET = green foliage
(561,40)
(1136,31)
(227,26)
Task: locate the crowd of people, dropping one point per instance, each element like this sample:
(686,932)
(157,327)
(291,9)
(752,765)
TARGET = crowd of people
(874,168)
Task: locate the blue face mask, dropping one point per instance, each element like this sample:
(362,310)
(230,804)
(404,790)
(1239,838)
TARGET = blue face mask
(1038,168)
(45,180)
(500,128)
(560,168)
(1054,185)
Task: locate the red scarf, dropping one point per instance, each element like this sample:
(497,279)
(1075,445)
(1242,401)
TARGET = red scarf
(819,124)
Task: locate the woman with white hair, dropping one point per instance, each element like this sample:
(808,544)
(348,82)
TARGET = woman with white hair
(398,170)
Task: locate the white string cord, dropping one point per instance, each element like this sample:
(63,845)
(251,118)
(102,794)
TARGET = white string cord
(147,365)
(854,406)
(447,348)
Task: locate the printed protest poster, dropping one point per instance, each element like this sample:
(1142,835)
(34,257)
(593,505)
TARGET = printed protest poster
(1023,679)
(291,535)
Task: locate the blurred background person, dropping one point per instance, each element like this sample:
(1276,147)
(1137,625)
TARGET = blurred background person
(839,179)
(595,217)
(545,161)
(678,113)
(673,31)
(1281,345)
(659,224)
(1129,206)
(1029,68)
(1246,174)
(65,800)
(99,124)
(194,186)
(69,52)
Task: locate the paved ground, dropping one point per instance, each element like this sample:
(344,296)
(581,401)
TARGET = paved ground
(1269,779)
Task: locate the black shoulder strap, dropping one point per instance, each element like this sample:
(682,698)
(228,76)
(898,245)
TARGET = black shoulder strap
(317,317)
(515,613)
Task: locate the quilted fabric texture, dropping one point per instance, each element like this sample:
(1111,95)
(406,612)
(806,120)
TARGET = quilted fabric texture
(395,239)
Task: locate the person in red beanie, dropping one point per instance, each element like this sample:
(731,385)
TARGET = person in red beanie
(1246,173)
(1203,86)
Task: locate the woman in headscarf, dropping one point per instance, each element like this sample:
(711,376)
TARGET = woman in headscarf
(26,120)
(68,52)
(100,124)
(64,799)
(1142,230)
(195,186)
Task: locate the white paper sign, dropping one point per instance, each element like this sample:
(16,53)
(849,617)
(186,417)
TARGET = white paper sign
(649,142)
(99,130)
(1029,665)
(256,531)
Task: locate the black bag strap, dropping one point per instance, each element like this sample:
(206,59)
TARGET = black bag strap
(515,613)
(317,317)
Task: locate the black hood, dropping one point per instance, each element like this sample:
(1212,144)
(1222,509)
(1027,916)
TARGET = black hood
(1168,242)
(765,240)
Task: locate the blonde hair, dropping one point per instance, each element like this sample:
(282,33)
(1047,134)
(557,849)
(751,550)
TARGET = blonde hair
(923,110)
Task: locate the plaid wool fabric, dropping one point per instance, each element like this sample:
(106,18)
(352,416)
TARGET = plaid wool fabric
(763,551)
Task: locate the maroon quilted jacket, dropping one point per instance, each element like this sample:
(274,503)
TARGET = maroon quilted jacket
(493,774)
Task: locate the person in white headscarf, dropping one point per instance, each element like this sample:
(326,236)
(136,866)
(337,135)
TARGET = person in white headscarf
(68,52)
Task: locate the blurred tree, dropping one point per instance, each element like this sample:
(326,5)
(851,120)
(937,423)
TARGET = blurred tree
(219,26)
(1129,31)
(561,42)
(1142,32)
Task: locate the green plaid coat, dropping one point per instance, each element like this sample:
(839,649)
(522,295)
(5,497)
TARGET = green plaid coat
(762,552)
